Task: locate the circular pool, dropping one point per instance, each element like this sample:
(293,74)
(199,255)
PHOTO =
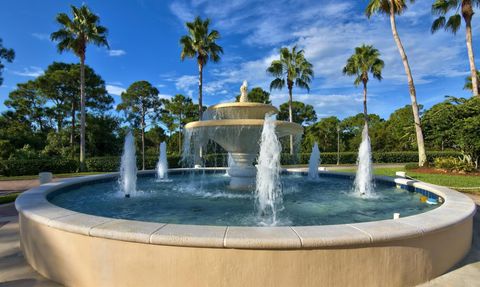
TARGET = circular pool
(70,235)
(205,199)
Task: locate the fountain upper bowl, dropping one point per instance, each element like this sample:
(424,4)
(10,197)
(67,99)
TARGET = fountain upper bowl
(231,134)
(237,110)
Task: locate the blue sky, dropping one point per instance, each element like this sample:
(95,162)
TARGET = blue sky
(144,34)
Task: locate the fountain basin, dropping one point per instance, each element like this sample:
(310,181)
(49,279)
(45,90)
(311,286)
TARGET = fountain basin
(77,249)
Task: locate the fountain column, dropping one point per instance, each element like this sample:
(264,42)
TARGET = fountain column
(242,172)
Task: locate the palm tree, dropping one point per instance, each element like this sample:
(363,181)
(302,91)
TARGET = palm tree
(292,69)
(74,35)
(468,82)
(200,43)
(365,60)
(441,8)
(390,8)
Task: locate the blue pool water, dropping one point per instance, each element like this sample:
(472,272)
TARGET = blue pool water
(206,200)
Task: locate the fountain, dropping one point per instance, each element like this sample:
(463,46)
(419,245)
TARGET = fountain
(128,167)
(314,162)
(364,178)
(78,233)
(268,191)
(237,128)
(162,164)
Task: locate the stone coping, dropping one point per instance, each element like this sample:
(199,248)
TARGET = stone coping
(457,208)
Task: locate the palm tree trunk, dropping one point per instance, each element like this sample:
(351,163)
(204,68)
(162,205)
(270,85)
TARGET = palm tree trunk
(338,145)
(180,135)
(471,57)
(365,113)
(82,113)
(422,157)
(200,105)
(290,114)
(200,86)
(72,132)
(143,141)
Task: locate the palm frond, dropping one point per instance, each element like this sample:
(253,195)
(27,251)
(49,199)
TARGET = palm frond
(277,84)
(383,7)
(200,42)
(291,68)
(76,32)
(437,24)
(365,60)
(453,23)
(276,69)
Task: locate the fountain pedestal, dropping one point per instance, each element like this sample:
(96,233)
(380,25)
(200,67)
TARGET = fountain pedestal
(242,173)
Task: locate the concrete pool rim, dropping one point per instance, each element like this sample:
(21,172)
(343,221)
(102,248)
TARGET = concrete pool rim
(77,249)
(456,208)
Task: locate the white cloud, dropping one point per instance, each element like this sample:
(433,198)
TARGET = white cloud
(114,90)
(41,36)
(182,11)
(186,83)
(340,105)
(31,71)
(165,96)
(328,31)
(116,53)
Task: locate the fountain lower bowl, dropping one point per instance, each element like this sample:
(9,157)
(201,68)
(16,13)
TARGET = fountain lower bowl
(77,249)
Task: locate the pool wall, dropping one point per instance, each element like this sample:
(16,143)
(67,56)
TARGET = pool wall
(77,249)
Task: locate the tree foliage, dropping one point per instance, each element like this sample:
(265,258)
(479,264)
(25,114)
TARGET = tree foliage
(177,112)
(141,104)
(7,55)
(44,105)
(74,35)
(257,95)
(200,43)
(303,114)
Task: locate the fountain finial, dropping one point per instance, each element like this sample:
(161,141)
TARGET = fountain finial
(243,92)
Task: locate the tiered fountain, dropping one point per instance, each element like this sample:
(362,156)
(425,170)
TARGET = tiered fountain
(237,128)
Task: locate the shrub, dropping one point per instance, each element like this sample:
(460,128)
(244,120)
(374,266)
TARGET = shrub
(105,163)
(453,164)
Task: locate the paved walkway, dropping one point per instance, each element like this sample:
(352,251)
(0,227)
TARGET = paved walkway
(16,272)
(9,186)
(12,186)
(467,272)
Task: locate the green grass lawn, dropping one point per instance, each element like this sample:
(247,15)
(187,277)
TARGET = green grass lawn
(465,183)
(8,198)
(60,175)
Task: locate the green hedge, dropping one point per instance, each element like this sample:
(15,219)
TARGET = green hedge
(112,163)
(378,157)
(345,157)
(34,166)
